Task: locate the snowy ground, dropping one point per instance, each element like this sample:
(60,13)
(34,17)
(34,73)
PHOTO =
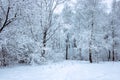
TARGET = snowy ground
(67,70)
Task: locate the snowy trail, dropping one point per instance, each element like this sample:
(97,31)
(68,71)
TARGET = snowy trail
(67,70)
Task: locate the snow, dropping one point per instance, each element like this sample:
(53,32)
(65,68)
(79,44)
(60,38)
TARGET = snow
(66,70)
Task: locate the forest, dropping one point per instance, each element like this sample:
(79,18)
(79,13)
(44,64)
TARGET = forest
(43,31)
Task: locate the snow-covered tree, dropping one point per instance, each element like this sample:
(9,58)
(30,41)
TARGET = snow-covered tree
(90,21)
(114,27)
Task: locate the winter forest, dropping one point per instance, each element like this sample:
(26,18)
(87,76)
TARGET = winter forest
(39,31)
(59,39)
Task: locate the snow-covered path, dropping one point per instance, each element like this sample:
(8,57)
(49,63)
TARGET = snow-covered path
(67,70)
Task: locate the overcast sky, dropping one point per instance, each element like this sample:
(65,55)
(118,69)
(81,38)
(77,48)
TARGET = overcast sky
(109,2)
(60,7)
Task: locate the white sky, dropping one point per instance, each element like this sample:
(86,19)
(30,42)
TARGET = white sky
(109,3)
(60,7)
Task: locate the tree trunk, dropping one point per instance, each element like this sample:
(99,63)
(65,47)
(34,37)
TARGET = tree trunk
(90,56)
(109,56)
(67,47)
(44,43)
(80,53)
(91,38)
(113,55)
(67,51)
(113,38)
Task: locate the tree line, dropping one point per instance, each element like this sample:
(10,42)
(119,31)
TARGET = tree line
(31,32)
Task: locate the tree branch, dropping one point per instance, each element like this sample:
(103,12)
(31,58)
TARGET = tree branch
(6,19)
(52,33)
